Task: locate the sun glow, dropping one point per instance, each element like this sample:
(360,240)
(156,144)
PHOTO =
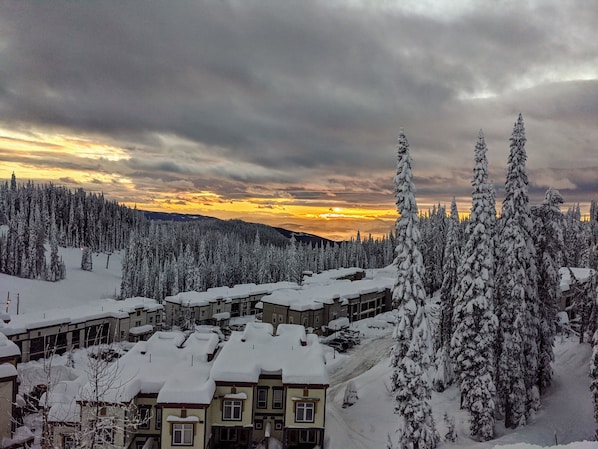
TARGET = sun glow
(75,162)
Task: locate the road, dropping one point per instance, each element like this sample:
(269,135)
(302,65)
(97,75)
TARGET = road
(362,358)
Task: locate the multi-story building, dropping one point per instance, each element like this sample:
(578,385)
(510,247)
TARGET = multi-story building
(316,305)
(269,385)
(260,385)
(9,353)
(103,321)
(218,303)
(320,299)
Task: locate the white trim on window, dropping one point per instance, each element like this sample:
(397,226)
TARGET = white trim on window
(182,434)
(305,411)
(232,410)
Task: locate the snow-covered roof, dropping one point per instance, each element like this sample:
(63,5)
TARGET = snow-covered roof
(141,330)
(61,398)
(582,275)
(198,299)
(8,349)
(339,323)
(297,356)
(330,276)
(172,364)
(103,308)
(313,296)
(7,370)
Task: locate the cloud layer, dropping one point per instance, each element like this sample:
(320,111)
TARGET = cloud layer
(288,103)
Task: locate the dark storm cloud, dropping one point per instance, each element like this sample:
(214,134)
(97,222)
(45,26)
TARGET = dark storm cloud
(303,90)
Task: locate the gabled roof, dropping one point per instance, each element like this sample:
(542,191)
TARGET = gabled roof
(295,355)
(172,365)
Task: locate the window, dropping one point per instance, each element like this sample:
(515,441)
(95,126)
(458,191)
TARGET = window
(277,398)
(105,435)
(145,414)
(262,398)
(273,318)
(259,425)
(278,425)
(280,318)
(151,319)
(182,434)
(231,410)
(291,320)
(308,436)
(304,412)
(228,434)
(68,441)
(138,312)
(158,418)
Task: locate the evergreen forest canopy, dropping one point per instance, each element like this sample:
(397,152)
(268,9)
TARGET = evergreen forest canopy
(499,298)
(164,258)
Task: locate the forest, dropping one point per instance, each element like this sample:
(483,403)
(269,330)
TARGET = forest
(167,257)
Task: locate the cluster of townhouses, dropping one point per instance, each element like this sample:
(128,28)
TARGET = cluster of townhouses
(190,390)
(268,381)
(320,299)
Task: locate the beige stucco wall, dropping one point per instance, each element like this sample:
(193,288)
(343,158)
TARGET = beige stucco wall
(88,414)
(199,439)
(216,408)
(58,431)
(269,414)
(6,397)
(149,401)
(319,394)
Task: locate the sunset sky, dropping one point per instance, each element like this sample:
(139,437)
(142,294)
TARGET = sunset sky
(287,112)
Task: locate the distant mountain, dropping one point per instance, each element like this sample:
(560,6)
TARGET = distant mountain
(237,226)
(304,237)
(173,216)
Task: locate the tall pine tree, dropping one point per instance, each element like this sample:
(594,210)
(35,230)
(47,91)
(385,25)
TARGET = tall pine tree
(475,323)
(548,239)
(410,356)
(452,252)
(517,298)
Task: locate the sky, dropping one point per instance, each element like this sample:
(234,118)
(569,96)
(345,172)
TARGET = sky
(287,112)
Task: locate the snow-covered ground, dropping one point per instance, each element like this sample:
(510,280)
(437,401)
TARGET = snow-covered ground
(78,288)
(565,417)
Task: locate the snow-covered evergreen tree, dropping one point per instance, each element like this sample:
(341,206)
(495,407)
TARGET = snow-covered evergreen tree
(517,298)
(86,260)
(410,358)
(452,251)
(548,239)
(475,324)
(57,269)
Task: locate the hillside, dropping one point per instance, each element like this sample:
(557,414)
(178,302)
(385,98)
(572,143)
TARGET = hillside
(248,229)
(566,414)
